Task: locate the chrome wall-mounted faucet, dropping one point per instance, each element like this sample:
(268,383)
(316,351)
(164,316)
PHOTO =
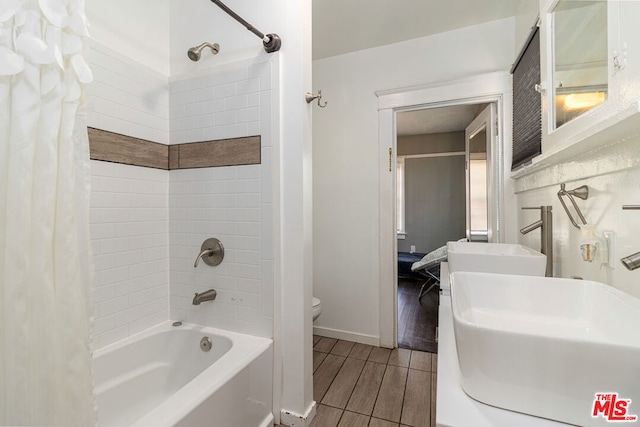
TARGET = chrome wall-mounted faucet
(209,295)
(631,262)
(545,224)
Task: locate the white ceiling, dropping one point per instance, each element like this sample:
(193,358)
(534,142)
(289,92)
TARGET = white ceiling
(342,26)
(436,120)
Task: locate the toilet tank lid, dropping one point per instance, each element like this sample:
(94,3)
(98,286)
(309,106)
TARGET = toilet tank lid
(316,301)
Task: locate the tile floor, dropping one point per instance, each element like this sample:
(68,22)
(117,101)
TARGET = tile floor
(359,385)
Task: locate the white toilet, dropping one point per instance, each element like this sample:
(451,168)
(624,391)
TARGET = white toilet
(317,308)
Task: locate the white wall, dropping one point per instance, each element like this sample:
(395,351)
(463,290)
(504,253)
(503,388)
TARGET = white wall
(138,30)
(346,161)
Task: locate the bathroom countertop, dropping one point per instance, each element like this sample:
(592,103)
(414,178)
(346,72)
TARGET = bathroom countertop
(454,407)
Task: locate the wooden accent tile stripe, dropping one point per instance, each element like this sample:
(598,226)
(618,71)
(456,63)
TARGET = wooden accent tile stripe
(174,157)
(113,147)
(224,152)
(117,148)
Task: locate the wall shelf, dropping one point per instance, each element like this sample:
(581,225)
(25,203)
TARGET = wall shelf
(618,127)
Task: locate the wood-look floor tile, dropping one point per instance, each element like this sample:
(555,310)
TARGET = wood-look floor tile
(361,351)
(416,409)
(325,344)
(342,348)
(324,375)
(420,360)
(344,383)
(379,355)
(318,358)
(366,391)
(326,416)
(377,422)
(389,403)
(351,419)
(400,357)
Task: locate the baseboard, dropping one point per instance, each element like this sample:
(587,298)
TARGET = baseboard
(292,419)
(347,336)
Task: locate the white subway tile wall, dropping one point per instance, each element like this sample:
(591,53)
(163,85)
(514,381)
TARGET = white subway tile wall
(224,203)
(127,97)
(129,220)
(233,204)
(147,225)
(227,104)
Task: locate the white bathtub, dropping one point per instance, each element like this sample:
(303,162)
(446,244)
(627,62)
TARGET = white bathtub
(161,377)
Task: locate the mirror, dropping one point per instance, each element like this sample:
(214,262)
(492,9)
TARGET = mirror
(579,58)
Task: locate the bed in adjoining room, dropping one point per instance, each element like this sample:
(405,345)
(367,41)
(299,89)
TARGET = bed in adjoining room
(405,261)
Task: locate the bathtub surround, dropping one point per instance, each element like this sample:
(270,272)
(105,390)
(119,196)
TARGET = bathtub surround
(283,125)
(142,218)
(45,262)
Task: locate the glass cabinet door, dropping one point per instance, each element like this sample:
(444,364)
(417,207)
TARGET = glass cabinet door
(579,60)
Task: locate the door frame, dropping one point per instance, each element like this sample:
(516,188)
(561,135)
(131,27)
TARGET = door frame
(484,120)
(484,88)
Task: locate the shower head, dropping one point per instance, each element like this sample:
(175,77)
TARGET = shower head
(195,52)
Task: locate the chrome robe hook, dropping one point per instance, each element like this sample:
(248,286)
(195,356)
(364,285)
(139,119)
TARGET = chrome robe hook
(309,97)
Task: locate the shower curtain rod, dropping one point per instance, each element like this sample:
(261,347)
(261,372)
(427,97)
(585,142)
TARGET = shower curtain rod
(271,42)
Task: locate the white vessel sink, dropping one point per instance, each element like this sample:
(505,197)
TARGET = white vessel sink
(545,346)
(502,258)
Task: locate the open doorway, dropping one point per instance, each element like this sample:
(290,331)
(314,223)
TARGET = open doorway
(492,89)
(437,192)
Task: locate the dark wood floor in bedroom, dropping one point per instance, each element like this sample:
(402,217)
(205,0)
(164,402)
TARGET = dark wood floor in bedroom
(417,320)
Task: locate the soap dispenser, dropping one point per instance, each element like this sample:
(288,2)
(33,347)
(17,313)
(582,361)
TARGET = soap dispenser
(592,247)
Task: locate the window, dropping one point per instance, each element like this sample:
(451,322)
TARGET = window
(400,198)
(527,107)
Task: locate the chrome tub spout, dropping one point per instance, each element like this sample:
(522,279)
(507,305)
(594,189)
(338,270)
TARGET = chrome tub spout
(209,295)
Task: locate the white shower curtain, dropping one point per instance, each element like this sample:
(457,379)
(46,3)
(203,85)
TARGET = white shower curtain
(45,356)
